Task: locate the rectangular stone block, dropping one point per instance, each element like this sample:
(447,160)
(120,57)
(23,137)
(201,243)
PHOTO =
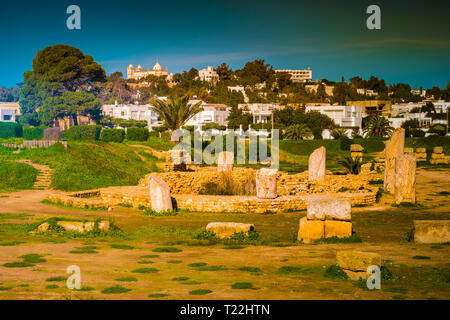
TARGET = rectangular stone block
(340,229)
(322,207)
(227,229)
(310,230)
(409,150)
(438,149)
(432,231)
(421,150)
(437,156)
(357,260)
(356,148)
(71,226)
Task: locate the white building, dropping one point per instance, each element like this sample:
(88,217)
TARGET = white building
(298,75)
(343,116)
(209,75)
(212,113)
(424,121)
(262,112)
(9,111)
(402,108)
(135,112)
(366,92)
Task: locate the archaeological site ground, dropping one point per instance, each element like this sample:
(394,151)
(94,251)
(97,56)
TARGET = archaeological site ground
(140,225)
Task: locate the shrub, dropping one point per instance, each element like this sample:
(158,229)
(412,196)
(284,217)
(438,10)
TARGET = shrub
(112,135)
(36,133)
(353,165)
(345,143)
(438,129)
(336,272)
(137,134)
(82,133)
(10,130)
(417,133)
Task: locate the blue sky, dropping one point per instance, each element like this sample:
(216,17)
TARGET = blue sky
(331,37)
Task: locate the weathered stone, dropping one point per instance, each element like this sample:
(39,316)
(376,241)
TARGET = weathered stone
(405,182)
(160,198)
(227,229)
(438,150)
(394,149)
(104,225)
(437,156)
(225,161)
(409,150)
(355,154)
(322,207)
(89,226)
(317,164)
(355,275)
(266,183)
(71,226)
(421,150)
(356,148)
(365,169)
(432,231)
(357,260)
(43,227)
(310,230)
(340,229)
(439,161)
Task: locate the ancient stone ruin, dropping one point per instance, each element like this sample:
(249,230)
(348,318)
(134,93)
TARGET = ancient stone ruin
(394,149)
(438,156)
(317,164)
(432,231)
(356,151)
(160,198)
(326,217)
(225,230)
(225,161)
(266,183)
(405,181)
(421,154)
(355,263)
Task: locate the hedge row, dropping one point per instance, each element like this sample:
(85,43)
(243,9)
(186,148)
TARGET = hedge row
(36,133)
(82,133)
(10,130)
(112,135)
(137,134)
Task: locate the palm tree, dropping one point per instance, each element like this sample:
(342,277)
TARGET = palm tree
(378,127)
(297,132)
(176,112)
(338,133)
(353,165)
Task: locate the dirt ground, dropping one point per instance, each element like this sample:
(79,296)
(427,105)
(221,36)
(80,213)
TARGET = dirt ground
(276,267)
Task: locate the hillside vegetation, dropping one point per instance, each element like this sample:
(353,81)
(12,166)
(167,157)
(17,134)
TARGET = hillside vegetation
(16,176)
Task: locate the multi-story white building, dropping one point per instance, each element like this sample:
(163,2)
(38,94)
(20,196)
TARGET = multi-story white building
(9,111)
(262,112)
(424,121)
(240,89)
(298,75)
(208,74)
(343,116)
(212,113)
(131,111)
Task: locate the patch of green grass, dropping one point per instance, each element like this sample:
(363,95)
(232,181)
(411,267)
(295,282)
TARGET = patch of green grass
(180,279)
(354,238)
(115,290)
(52,286)
(149,256)
(199,292)
(167,249)
(17,216)
(250,269)
(83,251)
(443,193)
(125,205)
(242,285)
(401,290)
(335,272)
(437,247)
(157,295)
(191,282)
(85,289)
(145,262)
(150,212)
(145,270)
(127,279)
(121,246)
(287,270)
(234,247)
(16,176)
(3,288)
(399,297)
(212,268)
(175,261)
(197,264)
(11,243)
(33,258)
(20,264)
(56,279)
(421,257)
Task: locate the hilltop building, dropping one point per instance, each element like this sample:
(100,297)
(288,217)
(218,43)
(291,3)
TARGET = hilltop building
(212,113)
(298,75)
(209,75)
(343,116)
(9,111)
(138,73)
(131,111)
(262,112)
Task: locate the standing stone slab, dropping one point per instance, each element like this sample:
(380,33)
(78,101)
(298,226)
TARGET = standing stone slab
(266,183)
(340,229)
(160,198)
(225,161)
(321,208)
(310,230)
(405,181)
(431,231)
(316,164)
(394,149)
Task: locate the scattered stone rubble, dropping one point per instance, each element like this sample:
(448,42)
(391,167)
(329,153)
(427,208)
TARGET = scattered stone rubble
(225,230)
(432,231)
(355,263)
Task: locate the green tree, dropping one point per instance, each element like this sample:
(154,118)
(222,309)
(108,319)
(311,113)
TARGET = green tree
(239,117)
(378,127)
(297,132)
(224,71)
(176,111)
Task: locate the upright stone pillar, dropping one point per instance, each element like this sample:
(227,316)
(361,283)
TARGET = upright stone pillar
(225,161)
(405,181)
(266,183)
(160,198)
(394,149)
(316,164)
